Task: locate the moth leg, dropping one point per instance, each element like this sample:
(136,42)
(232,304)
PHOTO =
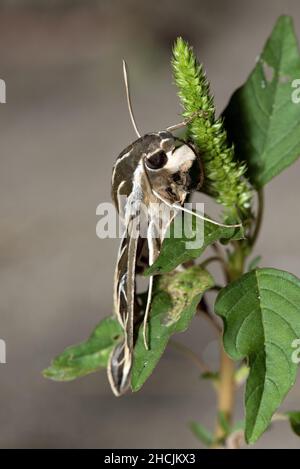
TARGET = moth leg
(152,238)
(130,284)
(187,121)
(202,217)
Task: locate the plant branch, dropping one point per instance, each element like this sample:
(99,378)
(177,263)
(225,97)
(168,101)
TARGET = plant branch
(221,256)
(203,310)
(208,261)
(279,417)
(216,288)
(187,352)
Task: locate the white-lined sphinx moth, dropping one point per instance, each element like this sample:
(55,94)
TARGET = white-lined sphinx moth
(157,171)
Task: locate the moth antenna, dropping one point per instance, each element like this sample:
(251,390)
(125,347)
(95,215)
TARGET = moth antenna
(202,217)
(126,81)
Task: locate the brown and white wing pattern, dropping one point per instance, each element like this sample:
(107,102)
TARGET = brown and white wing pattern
(124,288)
(150,171)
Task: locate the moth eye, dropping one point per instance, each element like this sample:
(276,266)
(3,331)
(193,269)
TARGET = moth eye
(157,160)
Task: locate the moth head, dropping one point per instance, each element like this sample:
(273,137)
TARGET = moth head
(166,159)
(173,165)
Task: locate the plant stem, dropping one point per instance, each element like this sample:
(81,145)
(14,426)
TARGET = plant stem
(234,269)
(259,217)
(226,393)
(227,386)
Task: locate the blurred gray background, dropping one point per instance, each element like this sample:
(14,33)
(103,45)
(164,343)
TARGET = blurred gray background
(64,123)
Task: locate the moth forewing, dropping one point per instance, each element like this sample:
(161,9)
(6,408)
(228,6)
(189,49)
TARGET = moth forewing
(124,289)
(151,171)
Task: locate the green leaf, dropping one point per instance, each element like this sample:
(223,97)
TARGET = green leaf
(176,250)
(261,320)
(294,418)
(86,357)
(173,307)
(200,432)
(261,118)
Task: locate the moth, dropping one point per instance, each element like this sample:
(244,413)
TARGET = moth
(157,171)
